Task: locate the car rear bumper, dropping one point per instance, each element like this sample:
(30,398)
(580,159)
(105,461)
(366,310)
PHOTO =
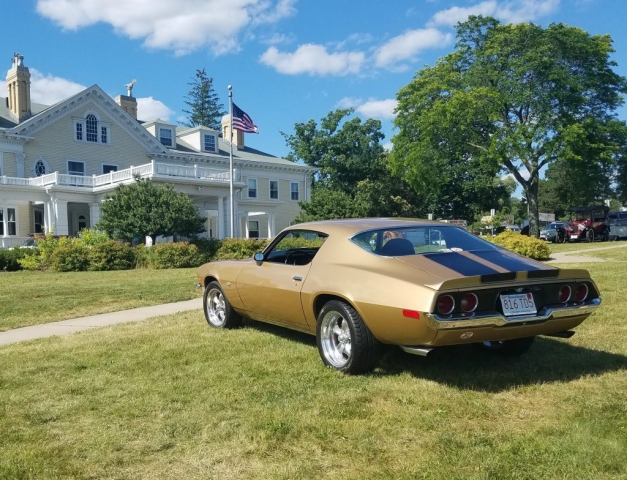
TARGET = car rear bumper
(438,322)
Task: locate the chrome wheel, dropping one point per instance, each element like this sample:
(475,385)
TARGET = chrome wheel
(215,308)
(335,339)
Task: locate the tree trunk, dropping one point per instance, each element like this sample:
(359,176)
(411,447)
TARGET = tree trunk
(531,193)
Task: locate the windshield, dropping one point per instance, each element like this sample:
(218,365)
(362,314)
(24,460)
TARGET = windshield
(396,242)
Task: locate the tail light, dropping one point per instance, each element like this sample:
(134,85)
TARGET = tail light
(581,293)
(564,294)
(445,305)
(469,302)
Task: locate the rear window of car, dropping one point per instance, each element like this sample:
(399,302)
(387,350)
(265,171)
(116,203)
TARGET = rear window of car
(403,241)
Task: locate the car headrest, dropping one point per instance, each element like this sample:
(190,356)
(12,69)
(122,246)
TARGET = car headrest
(396,247)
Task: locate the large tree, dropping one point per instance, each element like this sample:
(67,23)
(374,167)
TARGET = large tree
(204,103)
(353,178)
(143,209)
(510,97)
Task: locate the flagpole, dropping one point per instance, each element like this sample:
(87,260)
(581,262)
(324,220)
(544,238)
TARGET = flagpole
(232,219)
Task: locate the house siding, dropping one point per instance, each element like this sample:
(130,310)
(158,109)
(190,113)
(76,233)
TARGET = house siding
(56,145)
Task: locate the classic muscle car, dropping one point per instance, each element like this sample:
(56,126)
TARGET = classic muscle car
(356,284)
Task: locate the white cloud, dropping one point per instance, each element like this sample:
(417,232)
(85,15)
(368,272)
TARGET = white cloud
(381,109)
(388,146)
(48,90)
(407,46)
(349,102)
(314,60)
(182,26)
(150,109)
(513,11)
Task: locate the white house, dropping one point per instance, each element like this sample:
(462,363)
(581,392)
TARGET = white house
(57,163)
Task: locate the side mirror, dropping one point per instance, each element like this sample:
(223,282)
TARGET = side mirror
(258,258)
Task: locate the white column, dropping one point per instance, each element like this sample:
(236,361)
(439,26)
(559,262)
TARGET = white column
(221,218)
(270,225)
(48,216)
(1,163)
(237,219)
(246,226)
(61,226)
(94,214)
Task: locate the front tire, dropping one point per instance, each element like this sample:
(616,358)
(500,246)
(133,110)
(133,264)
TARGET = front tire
(345,342)
(507,348)
(218,310)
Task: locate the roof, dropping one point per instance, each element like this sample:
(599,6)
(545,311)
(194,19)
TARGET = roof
(7,120)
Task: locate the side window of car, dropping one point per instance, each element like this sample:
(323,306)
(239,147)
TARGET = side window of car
(296,247)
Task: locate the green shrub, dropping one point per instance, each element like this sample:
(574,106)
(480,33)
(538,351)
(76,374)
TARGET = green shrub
(207,248)
(174,255)
(111,255)
(9,259)
(92,236)
(69,256)
(238,248)
(523,245)
(40,259)
(141,256)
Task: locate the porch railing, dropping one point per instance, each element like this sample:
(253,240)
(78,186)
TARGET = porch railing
(149,170)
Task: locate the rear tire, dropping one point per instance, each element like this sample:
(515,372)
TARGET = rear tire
(218,310)
(590,236)
(345,342)
(507,348)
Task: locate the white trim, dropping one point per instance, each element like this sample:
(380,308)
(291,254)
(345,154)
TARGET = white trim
(278,189)
(102,165)
(203,144)
(5,220)
(1,163)
(99,126)
(42,160)
(256,187)
(67,167)
(172,135)
(297,191)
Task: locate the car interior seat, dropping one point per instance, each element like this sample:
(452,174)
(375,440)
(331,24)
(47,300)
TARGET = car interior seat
(397,247)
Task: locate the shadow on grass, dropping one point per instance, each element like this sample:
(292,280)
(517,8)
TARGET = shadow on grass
(468,368)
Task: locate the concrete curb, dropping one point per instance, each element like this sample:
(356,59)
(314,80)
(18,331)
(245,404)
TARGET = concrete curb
(64,327)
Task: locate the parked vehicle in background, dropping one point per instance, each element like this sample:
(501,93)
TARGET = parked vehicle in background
(617,221)
(556,232)
(589,223)
(511,228)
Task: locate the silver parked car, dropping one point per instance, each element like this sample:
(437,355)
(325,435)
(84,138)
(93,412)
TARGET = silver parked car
(549,233)
(617,222)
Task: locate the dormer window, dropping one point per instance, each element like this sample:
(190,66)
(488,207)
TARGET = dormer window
(91,129)
(209,144)
(165,136)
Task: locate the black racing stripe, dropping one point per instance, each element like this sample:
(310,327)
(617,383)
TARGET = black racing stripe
(498,277)
(510,262)
(460,264)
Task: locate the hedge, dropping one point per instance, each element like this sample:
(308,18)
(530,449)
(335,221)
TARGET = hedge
(523,245)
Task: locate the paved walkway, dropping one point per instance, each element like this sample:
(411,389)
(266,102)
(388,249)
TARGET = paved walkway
(576,257)
(96,321)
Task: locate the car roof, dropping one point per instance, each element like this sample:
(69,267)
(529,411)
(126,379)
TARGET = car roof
(354,225)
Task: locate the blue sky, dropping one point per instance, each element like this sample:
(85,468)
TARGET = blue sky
(288,61)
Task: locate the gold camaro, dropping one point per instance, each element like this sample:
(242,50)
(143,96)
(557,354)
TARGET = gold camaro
(359,283)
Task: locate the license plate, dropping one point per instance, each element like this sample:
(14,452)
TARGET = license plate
(518,304)
(574,237)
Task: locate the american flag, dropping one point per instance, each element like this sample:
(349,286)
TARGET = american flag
(242,122)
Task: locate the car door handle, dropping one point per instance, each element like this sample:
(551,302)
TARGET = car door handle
(297,278)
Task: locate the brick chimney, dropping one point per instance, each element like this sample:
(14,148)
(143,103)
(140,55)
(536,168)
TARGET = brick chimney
(128,102)
(18,86)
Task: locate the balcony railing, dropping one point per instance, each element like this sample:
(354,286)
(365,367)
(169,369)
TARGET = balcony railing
(149,170)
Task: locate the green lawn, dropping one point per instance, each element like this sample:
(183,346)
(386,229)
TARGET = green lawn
(31,298)
(581,246)
(171,398)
